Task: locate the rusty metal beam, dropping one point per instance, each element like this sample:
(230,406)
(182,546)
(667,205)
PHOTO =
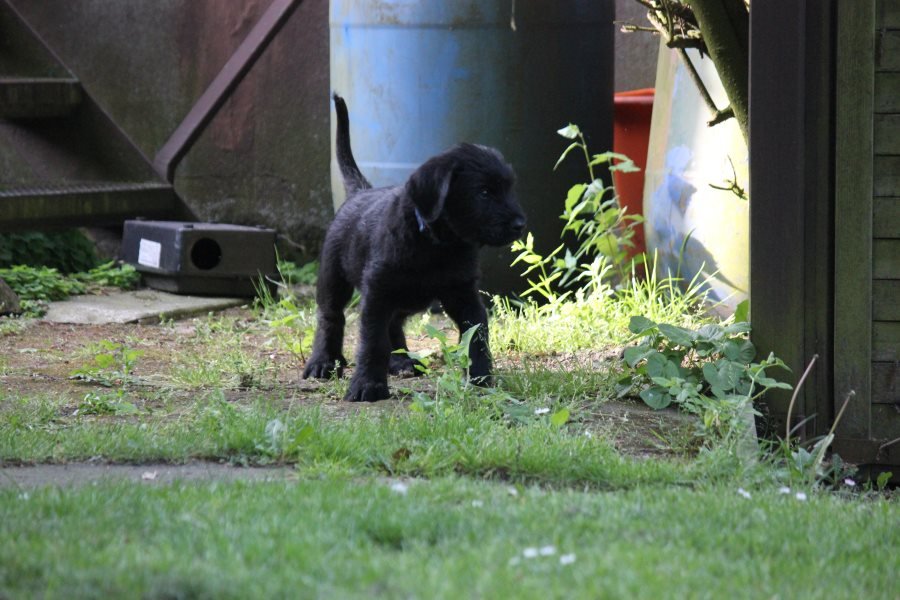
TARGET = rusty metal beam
(221,88)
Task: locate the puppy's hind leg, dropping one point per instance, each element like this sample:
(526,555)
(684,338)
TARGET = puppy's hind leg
(333,292)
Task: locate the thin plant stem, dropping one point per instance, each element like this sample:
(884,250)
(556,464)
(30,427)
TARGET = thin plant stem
(796,393)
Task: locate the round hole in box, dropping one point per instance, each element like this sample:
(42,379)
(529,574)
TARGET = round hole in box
(206,254)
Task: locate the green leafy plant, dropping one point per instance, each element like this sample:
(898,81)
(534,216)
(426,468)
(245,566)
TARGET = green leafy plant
(40,283)
(36,286)
(110,274)
(708,371)
(282,440)
(603,229)
(66,251)
(105,404)
(291,273)
(112,365)
(450,384)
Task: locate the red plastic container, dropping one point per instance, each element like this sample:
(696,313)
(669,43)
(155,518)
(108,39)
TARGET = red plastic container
(631,135)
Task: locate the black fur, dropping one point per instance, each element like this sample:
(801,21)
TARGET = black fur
(404,247)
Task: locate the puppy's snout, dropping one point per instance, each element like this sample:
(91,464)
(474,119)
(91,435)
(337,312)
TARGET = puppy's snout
(518,226)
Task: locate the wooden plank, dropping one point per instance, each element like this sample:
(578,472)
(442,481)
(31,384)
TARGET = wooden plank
(777,159)
(885,423)
(818,209)
(868,452)
(886,382)
(887,176)
(886,220)
(886,300)
(887,92)
(886,341)
(886,264)
(888,14)
(855,80)
(887,134)
(888,58)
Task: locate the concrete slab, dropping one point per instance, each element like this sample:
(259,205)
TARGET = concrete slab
(132,306)
(83,473)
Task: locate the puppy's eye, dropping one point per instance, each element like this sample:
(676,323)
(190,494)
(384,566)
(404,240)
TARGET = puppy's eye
(484,194)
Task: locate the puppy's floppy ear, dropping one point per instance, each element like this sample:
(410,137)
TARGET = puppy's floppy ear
(429,185)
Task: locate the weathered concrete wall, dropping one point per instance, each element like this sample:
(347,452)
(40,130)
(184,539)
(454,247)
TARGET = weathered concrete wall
(265,157)
(635,52)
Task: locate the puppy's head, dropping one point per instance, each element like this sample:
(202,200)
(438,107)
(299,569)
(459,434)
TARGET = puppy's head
(469,189)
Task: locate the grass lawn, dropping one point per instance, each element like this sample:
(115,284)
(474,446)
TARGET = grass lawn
(547,486)
(445,537)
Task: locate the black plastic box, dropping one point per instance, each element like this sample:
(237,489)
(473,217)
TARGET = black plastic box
(208,259)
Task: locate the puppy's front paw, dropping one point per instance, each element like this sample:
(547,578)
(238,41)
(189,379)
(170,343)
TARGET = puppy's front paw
(324,368)
(367,391)
(400,364)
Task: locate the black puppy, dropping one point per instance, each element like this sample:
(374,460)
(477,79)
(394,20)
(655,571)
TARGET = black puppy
(404,247)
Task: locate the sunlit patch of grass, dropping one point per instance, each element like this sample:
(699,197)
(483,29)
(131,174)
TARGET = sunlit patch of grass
(595,321)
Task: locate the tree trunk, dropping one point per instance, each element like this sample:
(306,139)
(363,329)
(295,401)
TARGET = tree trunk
(725,25)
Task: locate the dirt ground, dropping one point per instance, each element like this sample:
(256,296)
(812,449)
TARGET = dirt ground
(38,357)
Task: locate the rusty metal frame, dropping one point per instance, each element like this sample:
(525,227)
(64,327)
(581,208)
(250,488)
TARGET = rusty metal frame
(221,88)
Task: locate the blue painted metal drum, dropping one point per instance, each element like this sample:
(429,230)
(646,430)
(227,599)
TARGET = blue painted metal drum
(420,76)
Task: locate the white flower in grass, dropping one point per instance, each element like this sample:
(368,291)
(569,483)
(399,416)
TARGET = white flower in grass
(567,559)
(547,550)
(399,487)
(530,552)
(744,493)
(784,490)
(541,411)
(849,482)
(800,496)
(477,503)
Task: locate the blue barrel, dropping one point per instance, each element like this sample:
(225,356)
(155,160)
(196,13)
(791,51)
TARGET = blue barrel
(420,76)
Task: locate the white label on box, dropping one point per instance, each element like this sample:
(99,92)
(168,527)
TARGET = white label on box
(148,253)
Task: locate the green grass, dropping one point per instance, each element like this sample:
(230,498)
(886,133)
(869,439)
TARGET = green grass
(598,319)
(445,538)
(484,441)
(486,476)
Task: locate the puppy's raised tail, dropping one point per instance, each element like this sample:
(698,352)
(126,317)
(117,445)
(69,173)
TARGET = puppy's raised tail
(354,180)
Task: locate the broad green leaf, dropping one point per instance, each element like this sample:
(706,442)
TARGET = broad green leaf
(608,245)
(635,354)
(673,369)
(742,312)
(730,374)
(560,417)
(711,374)
(573,196)
(742,351)
(640,325)
(658,366)
(738,328)
(677,335)
(710,333)
(656,397)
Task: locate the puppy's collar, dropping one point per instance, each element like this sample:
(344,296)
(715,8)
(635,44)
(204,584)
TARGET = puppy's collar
(425,228)
(423,225)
